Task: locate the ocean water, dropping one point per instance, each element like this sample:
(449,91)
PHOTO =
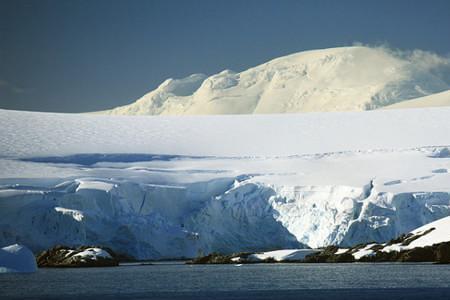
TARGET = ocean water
(256,281)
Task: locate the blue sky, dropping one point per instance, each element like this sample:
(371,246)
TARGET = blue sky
(76,56)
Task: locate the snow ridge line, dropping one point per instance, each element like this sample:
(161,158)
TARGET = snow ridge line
(164,157)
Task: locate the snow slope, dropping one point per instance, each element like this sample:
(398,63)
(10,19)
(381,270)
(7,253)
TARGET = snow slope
(28,134)
(282,255)
(17,258)
(94,253)
(164,187)
(435,100)
(335,79)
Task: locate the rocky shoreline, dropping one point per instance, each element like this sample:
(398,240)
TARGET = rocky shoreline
(429,243)
(370,252)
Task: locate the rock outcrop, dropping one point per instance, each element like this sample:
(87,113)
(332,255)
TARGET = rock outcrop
(84,256)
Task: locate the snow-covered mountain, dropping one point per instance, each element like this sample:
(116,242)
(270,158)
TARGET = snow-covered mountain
(336,79)
(164,186)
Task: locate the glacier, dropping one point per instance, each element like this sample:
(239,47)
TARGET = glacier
(177,187)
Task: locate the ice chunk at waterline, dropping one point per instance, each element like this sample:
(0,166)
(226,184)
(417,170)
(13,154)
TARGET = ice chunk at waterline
(17,258)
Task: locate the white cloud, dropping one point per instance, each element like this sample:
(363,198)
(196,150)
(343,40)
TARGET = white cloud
(417,60)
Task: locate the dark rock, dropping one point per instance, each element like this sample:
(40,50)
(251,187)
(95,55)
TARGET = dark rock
(343,258)
(410,238)
(217,258)
(399,239)
(425,254)
(380,256)
(443,253)
(328,255)
(213,258)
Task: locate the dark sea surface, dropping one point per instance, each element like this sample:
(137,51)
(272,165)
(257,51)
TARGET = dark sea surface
(256,281)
